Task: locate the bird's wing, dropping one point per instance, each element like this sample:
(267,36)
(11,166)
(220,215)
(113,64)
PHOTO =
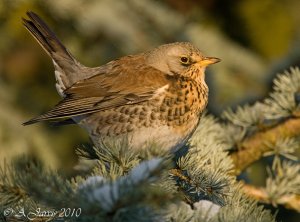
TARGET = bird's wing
(121,82)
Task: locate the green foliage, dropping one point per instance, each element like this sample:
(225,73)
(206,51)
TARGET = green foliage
(284,181)
(125,187)
(242,208)
(282,148)
(196,184)
(247,117)
(149,184)
(282,102)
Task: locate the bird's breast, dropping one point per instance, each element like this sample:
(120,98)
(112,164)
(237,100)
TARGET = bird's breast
(181,105)
(170,116)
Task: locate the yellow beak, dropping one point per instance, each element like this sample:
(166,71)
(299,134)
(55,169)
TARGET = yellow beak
(208,61)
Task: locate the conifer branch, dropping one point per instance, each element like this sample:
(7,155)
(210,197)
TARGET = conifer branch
(253,148)
(291,201)
(16,193)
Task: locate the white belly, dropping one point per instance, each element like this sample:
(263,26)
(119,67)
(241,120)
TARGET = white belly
(162,136)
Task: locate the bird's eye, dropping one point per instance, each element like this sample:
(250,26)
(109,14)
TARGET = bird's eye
(184,60)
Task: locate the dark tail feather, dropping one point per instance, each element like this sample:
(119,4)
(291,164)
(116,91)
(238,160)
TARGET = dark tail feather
(56,123)
(63,122)
(45,37)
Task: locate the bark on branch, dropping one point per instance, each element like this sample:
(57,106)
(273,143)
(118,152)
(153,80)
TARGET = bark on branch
(289,201)
(254,147)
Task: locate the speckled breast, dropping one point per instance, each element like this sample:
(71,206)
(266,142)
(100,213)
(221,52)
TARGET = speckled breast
(169,118)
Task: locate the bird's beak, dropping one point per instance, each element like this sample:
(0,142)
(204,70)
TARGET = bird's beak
(208,61)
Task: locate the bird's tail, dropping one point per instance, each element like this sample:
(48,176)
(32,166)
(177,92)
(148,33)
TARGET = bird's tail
(65,64)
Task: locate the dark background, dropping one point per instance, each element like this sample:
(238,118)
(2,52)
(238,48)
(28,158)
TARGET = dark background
(255,39)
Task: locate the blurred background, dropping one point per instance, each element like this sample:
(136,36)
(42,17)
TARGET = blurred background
(255,39)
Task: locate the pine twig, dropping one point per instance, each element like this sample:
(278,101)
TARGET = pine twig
(289,201)
(253,148)
(15,191)
(178,173)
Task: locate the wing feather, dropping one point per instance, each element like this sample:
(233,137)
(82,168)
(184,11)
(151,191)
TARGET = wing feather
(117,86)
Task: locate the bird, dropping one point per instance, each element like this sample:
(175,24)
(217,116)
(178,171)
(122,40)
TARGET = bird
(158,95)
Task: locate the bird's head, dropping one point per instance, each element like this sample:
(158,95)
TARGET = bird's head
(180,58)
